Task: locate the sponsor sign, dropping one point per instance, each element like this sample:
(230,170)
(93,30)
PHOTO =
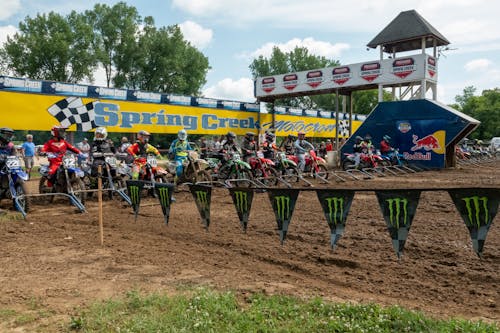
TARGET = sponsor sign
(398,209)
(314,78)
(403,67)
(283,203)
(268,84)
(202,195)
(431,66)
(18,84)
(164,194)
(134,188)
(341,75)
(477,207)
(370,71)
(336,205)
(242,199)
(290,81)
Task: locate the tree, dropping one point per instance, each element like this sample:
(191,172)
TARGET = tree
(296,60)
(51,47)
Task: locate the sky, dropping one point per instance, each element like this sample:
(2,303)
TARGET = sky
(231,33)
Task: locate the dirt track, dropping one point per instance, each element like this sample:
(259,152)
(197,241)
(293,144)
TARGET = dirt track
(55,257)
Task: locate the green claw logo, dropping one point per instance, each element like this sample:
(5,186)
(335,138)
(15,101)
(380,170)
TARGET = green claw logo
(335,205)
(134,194)
(163,194)
(241,198)
(475,210)
(283,207)
(397,205)
(201,197)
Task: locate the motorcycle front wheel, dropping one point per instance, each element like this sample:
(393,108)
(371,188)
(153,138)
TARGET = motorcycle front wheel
(322,172)
(21,189)
(291,174)
(202,176)
(78,186)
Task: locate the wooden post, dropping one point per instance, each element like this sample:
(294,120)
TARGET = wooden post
(99,198)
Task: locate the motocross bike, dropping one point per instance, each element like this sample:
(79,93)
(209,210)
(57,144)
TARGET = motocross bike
(12,182)
(68,178)
(286,167)
(393,157)
(263,169)
(113,176)
(150,171)
(235,168)
(194,169)
(314,165)
(366,161)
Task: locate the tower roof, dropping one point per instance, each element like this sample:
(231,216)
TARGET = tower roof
(405,33)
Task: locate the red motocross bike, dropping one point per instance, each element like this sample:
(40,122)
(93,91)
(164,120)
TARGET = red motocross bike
(263,169)
(315,165)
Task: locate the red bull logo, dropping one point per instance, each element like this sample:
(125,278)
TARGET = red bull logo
(427,143)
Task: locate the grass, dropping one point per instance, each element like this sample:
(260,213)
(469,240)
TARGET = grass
(203,310)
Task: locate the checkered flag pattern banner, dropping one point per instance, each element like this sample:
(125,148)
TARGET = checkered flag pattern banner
(343,128)
(71,110)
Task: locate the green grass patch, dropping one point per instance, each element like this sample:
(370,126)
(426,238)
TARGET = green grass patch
(203,310)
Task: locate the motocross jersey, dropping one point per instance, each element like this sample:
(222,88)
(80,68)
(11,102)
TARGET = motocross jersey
(230,147)
(139,149)
(7,149)
(385,147)
(101,146)
(58,147)
(302,146)
(179,148)
(268,149)
(249,148)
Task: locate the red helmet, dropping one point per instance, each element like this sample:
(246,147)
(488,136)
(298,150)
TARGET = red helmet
(58,132)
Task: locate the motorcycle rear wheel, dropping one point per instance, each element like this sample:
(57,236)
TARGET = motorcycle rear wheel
(77,186)
(21,188)
(291,174)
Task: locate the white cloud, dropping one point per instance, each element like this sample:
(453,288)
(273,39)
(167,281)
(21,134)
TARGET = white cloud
(315,47)
(196,34)
(478,65)
(9,8)
(239,90)
(5,31)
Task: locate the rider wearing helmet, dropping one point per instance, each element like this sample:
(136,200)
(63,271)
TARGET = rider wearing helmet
(268,146)
(385,145)
(139,150)
(179,149)
(301,147)
(249,146)
(6,145)
(367,146)
(58,146)
(288,144)
(100,147)
(357,149)
(229,144)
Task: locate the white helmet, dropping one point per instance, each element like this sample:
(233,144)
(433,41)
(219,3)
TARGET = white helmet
(182,135)
(100,134)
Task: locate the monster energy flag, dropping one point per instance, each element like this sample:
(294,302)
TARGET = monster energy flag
(164,193)
(134,188)
(478,208)
(202,195)
(242,199)
(283,203)
(398,208)
(336,205)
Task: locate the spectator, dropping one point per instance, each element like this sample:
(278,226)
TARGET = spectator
(329,145)
(28,152)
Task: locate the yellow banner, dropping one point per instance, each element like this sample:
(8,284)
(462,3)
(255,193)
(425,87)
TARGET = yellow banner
(28,111)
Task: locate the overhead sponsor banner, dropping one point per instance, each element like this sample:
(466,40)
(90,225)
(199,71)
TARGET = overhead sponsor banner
(385,72)
(477,207)
(242,199)
(134,188)
(202,195)
(336,205)
(283,203)
(41,112)
(164,192)
(398,209)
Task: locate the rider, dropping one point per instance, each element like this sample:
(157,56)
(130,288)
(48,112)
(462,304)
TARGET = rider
(385,145)
(229,143)
(288,144)
(268,146)
(6,145)
(139,150)
(366,144)
(99,147)
(301,147)
(58,146)
(249,146)
(178,149)
(357,149)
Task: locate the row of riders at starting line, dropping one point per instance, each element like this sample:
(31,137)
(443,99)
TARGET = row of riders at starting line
(293,159)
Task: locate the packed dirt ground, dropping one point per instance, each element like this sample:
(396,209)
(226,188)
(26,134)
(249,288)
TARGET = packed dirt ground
(55,256)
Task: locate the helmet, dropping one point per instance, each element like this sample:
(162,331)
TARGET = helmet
(143,136)
(291,136)
(231,135)
(249,135)
(269,136)
(387,138)
(124,139)
(358,139)
(6,134)
(100,134)
(58,132)
(368,137)
(182,135)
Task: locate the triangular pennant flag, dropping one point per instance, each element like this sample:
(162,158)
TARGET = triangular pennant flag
(398,208)
(164,193)
(283,203)
(134,188)
(477,207)
(336,205)
(202,195)
(242,199)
